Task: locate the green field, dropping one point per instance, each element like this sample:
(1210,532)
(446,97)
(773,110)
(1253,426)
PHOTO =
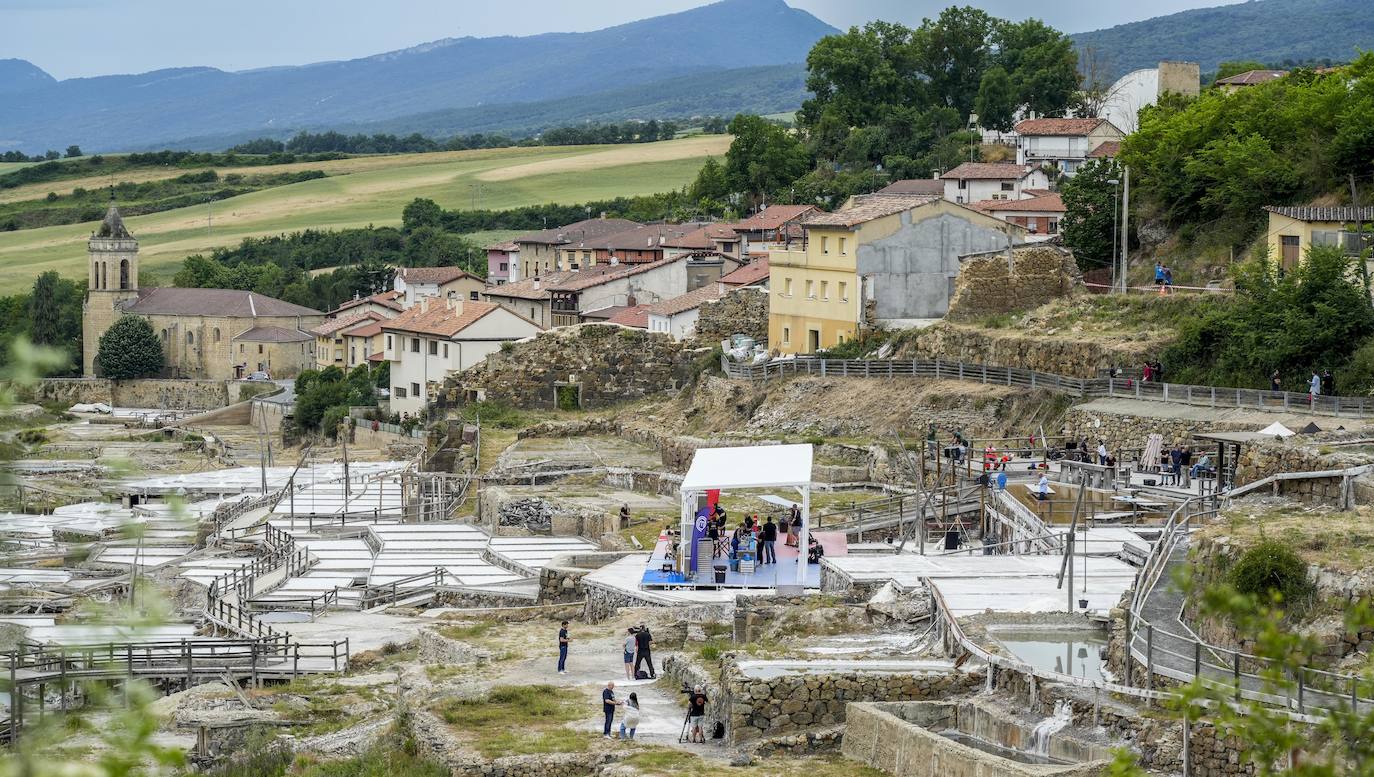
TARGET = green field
(372,191)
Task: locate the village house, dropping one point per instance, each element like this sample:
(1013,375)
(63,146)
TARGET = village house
(933,186)
(385,304)
(363,344)
(775,224)
(503,260)
(1039,214)
(439,336)
(1064,143)
(651,243)
(331,350)
(1294,229)
(198,327)
(753,274)
(445,282)
(975,181)
(1233,84)
(882,258)
(636,317)
(538,251)
(678,316)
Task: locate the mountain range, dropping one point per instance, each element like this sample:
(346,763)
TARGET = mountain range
(164,106)
(718,59)
(1271,32)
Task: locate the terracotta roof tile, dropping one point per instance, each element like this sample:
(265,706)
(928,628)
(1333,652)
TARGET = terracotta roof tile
(273,334)
(386,299)
(774,216)
(985,171)
(577,231)
(867,207)
(1107,149)
(1323,212)
(1049,203)
(747,275)
(439,275)
(370,329)
(688,301)
(1057,126)
(228,303)
(439,318)
(1252,77)
(344,322)
(915,186)
(509,245)
(636,317)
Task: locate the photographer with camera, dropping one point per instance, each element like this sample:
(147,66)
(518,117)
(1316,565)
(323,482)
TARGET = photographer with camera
(692,727)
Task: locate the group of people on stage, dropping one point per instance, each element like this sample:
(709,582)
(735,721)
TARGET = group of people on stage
(752,537)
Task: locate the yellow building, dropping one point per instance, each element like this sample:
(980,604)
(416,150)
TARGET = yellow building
(888,259)
(1292,230)
(363,344)
(331,349)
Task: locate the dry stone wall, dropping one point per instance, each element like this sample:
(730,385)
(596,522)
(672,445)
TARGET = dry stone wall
(1076,357)
(987,286)
(189,395)
(742,311)
(595,365)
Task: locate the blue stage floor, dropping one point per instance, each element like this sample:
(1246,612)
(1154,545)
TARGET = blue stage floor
(764,576)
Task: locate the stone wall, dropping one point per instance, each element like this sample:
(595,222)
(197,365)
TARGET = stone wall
(601,364)
(1077,357)
(987,287)
(560,579)
(435,648)
(742,311)
(190,395)
(1308,453)
(1127,433)
(505,511)
(70,391)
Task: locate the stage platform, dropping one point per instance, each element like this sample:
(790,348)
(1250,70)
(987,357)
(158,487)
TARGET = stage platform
(764,575)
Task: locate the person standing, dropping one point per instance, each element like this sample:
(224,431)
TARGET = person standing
(608,705)
(1185,466)
(696,713)
(1329,382)
(644,651)
(630,720)
(1176,463)
(1315,384)
(1274,384)
(1146,373)
(767,538)
(563,640)
(1042,487)
(1102,452)
(1159,273)
(624,515)
(630,645)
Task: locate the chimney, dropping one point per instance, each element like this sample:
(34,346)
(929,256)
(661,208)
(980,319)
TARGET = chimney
(536,284)
(630,300)
(424,304)
(455,304)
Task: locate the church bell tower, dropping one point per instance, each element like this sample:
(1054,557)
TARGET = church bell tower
(111,279)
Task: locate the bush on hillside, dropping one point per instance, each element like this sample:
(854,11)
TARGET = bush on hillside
(130,349)
(1271,568)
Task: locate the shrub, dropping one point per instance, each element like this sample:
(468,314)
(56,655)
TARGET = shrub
(130,349)
(1271,568)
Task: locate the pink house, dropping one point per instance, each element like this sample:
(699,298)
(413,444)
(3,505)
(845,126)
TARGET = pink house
(502,263)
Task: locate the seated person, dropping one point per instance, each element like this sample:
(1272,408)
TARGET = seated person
(814,551)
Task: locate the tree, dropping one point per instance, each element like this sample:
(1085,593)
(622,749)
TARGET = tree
(44,313)
(73,151)
(421,212)
(952,52)
(1042,64)
(129,349)
(996,103)
(1090,213)
(710,182)
(763,157)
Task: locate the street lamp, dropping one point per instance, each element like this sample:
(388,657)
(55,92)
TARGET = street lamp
(1116,183)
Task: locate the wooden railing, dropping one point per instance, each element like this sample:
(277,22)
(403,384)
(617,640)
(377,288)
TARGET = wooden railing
(1087,388)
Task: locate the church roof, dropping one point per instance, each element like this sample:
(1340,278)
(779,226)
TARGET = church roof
(113,225)
(227,303)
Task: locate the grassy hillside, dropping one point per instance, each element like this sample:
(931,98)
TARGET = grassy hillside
(371,190)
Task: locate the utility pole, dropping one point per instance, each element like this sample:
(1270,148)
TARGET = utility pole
(1125,220)
(1359,240)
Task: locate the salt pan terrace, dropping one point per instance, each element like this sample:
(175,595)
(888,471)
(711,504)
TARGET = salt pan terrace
(405,555)
(248,480)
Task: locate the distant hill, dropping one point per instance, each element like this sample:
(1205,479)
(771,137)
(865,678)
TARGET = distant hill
(134,111)
(764,90)
(1269,31)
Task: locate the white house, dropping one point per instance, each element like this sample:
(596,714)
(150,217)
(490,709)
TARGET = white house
(436,337)
(1065,143)
(678,316)
(1039,215)
(412,283)
(977,181)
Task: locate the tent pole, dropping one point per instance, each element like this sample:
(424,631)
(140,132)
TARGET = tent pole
(802,539)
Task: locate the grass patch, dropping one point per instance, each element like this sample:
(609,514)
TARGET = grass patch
(518,720)
(464,631)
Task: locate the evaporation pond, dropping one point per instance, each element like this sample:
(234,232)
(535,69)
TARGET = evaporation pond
(1075,652)
(1019,756)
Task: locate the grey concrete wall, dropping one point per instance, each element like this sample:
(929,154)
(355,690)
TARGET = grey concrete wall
(910,271)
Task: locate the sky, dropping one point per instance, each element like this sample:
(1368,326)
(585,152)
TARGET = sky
(74,38)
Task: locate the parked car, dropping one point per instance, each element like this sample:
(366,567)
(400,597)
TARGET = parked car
(259,376)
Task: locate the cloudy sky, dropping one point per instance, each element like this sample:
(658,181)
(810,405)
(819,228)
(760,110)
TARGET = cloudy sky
(72,38)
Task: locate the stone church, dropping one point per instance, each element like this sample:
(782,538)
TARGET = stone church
(210,334)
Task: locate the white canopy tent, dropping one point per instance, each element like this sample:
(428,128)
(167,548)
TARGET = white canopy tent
(757,466)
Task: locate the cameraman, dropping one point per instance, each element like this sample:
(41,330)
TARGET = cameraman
(696,713)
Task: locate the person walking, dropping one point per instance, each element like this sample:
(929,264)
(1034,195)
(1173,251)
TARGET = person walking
(1042,487)
(644,651)
(1102,452)
(1315,384)
(630,645)
(630,720)
(1159,273)
(608,705)
(563,640)
(1274,384)
(767,538)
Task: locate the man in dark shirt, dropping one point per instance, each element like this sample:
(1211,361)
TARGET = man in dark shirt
(696,713)
(643,650)
(563,640)
(767,537)
(608,705)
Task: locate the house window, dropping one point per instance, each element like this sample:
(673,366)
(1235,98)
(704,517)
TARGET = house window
(825,244)
(844,291)
(388,341)
(259,348)
(787,335)
(415,389)
(842,247)
(399,392)
(472,295)
(531,313)
(433,347)
(504,267)
(190,338)
(1033,223)
(217,334)
(963,184)
(810,289)
(1053,227)
(240,347)
(825,289)
(352,354)
(1008,186)
(786,289)
(414,345)
(445,350)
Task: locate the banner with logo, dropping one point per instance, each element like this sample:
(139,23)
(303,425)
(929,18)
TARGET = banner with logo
(699,525)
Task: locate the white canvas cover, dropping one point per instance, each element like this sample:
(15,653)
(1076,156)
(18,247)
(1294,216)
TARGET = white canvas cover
(755,466)
(1277,429)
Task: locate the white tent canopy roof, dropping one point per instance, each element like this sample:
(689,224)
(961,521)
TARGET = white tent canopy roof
(1277,429)
(755,466)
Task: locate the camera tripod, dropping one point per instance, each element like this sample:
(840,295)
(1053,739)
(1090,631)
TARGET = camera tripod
(686,735)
